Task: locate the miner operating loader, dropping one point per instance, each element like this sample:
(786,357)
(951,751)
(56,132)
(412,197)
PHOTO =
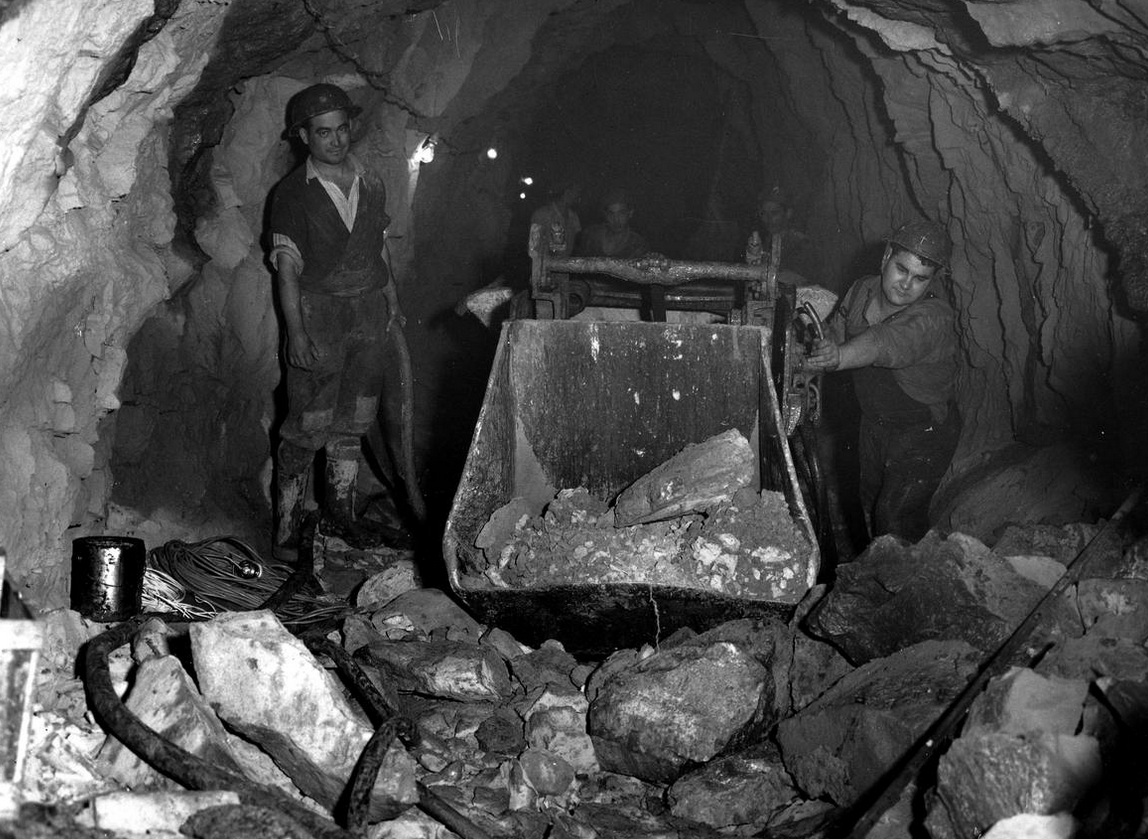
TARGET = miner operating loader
(896,332)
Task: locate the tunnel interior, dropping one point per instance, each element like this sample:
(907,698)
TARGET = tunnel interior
(141,369)
(142,366)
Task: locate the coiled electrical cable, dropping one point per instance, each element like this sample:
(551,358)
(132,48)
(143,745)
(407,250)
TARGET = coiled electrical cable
(163,593)
(225,574)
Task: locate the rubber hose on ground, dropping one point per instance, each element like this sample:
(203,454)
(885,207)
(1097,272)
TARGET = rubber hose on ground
(168,758)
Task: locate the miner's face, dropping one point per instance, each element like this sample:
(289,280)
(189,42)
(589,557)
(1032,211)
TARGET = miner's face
(328,137)
(905,277)
(618,216)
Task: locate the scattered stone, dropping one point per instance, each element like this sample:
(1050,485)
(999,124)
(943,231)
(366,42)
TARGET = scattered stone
(1094,656)
(815,668)
(151,640)
(745,546)
(699,476)
(545,666)
(748,788)
(896,595)
(561,730)
(628,821)
(848,738)
(358,632)
(680,705)
(522,794)
(1042,570)
(1059,542)
(266,685)
(499,529)
(1030,826)
(446,669)
(984,778)
(412,824)
(150,812)
(1116,608)
(580,675)
(614,664)
(380,589)
(546,773)
(501,733)
(164,699)
(226,820)
(424,610)
(1023,701)
(454,724)
(503,643)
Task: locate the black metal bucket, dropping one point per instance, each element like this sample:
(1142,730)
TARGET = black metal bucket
(107,577)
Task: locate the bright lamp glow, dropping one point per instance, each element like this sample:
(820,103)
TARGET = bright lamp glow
(528,180)
(492,153)
(522,195)
(425,152)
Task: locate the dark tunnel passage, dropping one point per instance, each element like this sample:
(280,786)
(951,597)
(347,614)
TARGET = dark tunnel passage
(660,122)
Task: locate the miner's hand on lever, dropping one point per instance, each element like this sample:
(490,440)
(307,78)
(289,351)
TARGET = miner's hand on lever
(825,355)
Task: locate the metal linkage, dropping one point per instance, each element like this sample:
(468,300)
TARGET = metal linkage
(550,276)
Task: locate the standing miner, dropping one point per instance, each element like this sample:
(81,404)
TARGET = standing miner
(896,332)
(328,225)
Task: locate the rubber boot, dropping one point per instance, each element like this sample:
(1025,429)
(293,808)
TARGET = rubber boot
(289,492)
(340,477)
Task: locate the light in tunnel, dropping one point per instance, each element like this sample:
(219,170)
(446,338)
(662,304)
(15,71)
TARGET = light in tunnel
(491,153)
(529,181)
(425,152)
(522,195)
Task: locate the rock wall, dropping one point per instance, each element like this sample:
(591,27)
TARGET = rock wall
(1043,336)
(85,219)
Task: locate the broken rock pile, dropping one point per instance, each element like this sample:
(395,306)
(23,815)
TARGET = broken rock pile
(695,521)
(745,546)
(753,724)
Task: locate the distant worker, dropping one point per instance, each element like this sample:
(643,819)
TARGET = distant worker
(896,332)
(775,216)
(559,220)
(613,237)
(328,224)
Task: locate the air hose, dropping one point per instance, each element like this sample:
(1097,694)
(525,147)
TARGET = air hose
(173,761)
(194,773)
(407,416)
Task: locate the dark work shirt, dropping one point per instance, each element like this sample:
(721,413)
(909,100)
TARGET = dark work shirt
(918,343)
(335,260)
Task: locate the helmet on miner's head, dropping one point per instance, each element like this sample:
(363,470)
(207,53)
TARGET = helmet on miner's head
(315,100)
(926,239)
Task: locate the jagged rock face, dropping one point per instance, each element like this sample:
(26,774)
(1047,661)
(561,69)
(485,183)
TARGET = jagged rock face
(141,138)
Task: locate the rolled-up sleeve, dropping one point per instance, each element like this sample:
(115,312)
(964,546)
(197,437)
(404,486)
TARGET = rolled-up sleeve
(282,245)
(288,227)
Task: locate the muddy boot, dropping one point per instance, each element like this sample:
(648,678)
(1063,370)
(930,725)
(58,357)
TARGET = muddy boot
(289,493)
(340,476)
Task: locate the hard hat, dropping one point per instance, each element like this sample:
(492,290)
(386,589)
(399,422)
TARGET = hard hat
(315,100)
(926,239)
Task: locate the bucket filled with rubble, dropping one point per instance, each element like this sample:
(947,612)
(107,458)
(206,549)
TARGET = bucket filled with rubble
(626,480)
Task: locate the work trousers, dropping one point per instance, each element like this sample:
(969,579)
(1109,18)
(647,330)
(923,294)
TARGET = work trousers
(902,464)
(338,398)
